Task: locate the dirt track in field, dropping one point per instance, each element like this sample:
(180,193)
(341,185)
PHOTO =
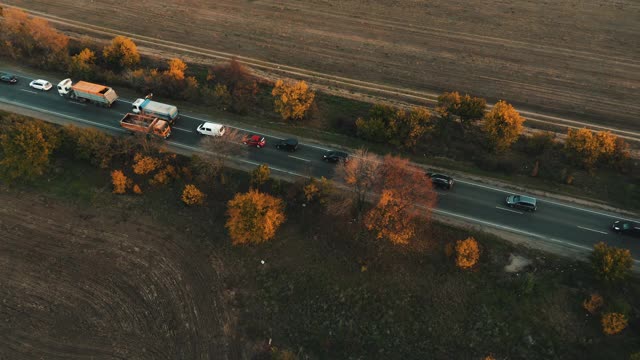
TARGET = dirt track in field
(82,283)
(573,58)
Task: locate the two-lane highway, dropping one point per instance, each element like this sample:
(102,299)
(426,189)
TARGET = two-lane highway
(555,222)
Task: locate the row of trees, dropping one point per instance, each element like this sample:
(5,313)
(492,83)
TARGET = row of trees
(229,86)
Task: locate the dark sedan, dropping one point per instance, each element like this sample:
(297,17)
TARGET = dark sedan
(335,156)
(8,78)
(287,145)
(626,227)
(441,181)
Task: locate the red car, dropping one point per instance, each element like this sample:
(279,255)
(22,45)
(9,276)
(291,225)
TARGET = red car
(255,140)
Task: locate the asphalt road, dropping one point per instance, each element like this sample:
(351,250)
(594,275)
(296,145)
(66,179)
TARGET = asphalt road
(560,223)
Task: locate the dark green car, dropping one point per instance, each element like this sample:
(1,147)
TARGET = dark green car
(8,78)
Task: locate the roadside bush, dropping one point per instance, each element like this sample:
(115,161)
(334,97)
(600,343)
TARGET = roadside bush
(239,81)
(318,190)
(145,164)
(610,263)
(191,195)
(538,143)
(593,303)
(398,127)
(120,182)
(613,323)
(467,253)
(26,148)
(260,175)
(89,144)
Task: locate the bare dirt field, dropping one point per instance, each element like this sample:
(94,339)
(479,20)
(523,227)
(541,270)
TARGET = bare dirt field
(83,283)
(578,59)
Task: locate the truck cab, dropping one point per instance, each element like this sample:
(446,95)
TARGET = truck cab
(64,87)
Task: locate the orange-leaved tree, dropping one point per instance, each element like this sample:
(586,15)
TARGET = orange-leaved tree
(120,182)
(610,263)
(292,99)
(122,53)
(613,323)
(254,217)
(503,126)
(587,148)
(145,164)
(593,303)
(467,253)
(191,195)
(405,193)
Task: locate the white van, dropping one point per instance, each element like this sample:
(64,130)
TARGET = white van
(211,129)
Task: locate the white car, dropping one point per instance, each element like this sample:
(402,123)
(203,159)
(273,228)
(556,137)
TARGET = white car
(211,129)
(40,84)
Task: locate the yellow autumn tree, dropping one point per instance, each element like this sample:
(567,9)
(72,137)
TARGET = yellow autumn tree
(503,126)
(292,99)
(388,219)
(120,182)
(254,217)
(176,69)
(122,53)
(610,263)
(25,148)
(586,147)
(613,323)
(467,253)
(191,195)
(145,164)
(593,303)
(83,63)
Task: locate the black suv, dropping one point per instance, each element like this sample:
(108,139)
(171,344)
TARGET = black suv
(441,181)
(287,144)
(8,78)
(626,227)
(335,156)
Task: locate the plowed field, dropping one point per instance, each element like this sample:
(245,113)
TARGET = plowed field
(573,58)
(81,283)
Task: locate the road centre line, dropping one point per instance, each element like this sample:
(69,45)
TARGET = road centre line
(29,91)
(181,129)
(298,158)
(598,231)
(505,209)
